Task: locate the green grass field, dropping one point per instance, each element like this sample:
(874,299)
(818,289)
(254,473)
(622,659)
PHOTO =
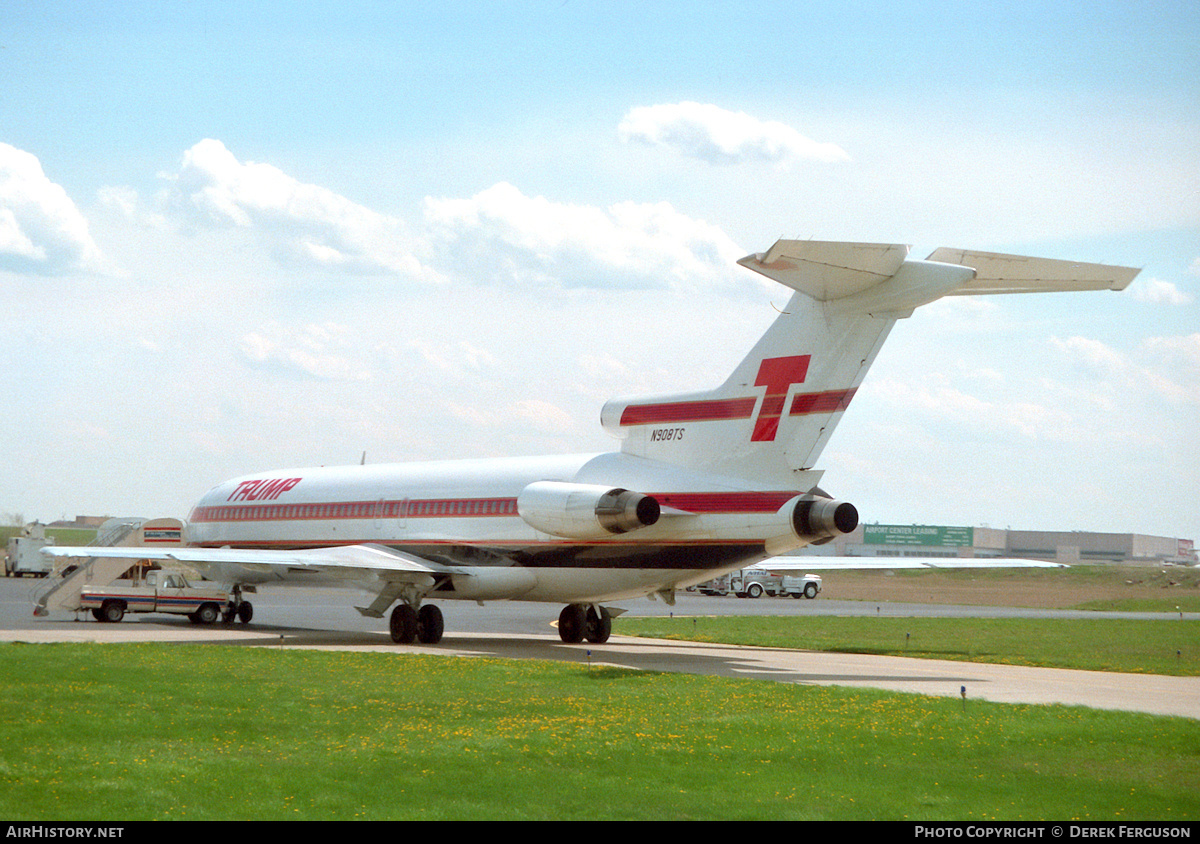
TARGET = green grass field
(62,536)
(152,731)
(1167,646)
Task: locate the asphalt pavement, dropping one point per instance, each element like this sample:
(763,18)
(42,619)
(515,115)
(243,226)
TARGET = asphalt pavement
(324,618)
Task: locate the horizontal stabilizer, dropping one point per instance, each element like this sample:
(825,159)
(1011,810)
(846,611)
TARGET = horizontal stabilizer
(827,270)
(996,273)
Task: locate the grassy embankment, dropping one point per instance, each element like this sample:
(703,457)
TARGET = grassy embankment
(1167,645)
(1170,646)
(127,732)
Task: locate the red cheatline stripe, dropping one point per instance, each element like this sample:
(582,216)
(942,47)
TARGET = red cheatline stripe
(692,502)
(417,509)
(688,411)
(726,502)
(829,402)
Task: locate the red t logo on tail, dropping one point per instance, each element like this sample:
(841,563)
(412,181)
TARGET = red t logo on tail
(777,375)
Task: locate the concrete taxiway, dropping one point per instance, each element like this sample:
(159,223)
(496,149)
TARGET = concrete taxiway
(323,619)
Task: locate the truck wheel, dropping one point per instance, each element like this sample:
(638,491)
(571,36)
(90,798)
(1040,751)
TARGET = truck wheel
(810,591)
(755,590)
(208,614)
(113,611)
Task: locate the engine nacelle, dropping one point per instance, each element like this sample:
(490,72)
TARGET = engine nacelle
(823,518)
(488,583)
(585,511)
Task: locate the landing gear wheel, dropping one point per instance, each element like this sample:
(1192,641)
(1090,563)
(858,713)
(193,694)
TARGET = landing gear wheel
(599,626)
(403,624)
(572,623)
(245,612)
(429,625)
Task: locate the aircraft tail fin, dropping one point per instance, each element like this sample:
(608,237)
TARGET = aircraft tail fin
(770,420)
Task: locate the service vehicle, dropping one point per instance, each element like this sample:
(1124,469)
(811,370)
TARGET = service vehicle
(801,586)
(24,554)
(166,592)
(756,582)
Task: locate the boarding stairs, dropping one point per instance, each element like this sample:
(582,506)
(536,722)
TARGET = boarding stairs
(63,589)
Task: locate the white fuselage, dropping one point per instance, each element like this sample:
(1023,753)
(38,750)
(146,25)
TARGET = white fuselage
(464,513)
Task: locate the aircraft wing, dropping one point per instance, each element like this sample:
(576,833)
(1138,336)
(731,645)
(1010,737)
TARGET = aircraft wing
(792,565)
(342,562)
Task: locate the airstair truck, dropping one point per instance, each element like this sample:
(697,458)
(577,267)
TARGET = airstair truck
(110,587)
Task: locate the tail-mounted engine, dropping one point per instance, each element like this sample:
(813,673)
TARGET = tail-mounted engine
(821,519)
(585,511)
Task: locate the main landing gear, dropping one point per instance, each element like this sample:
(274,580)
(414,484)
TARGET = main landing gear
(424,625)
(578,622)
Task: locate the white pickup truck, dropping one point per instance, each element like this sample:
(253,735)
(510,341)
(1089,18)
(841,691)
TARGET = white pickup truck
(167,592)
(801,586)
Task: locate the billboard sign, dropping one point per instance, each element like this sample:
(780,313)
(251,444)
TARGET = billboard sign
(927,535)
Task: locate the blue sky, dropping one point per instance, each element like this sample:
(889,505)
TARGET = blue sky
(238,236)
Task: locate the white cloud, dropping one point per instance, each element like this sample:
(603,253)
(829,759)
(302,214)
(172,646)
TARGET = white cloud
(502,234)
(718,136)
(41,230)
(1179,353)
(533,415)
(933,400)
(326,352)
(542,416)
(1159,292)
(450,357)
(1163,367)
(303,222)
(498,236)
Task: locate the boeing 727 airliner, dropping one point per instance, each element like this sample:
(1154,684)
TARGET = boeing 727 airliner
(703,483)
